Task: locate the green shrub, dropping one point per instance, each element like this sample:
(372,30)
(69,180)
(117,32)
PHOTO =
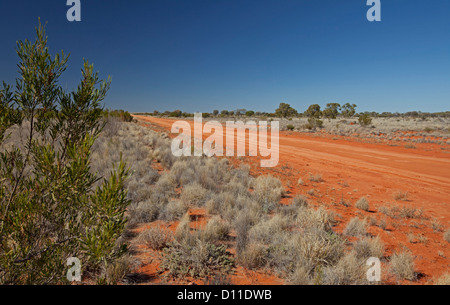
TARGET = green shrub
(49,207)
(123,115)
(314,123)
(364,119)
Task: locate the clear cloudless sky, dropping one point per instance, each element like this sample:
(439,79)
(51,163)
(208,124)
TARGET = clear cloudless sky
(201,55)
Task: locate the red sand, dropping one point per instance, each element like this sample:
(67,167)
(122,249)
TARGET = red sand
(351,169)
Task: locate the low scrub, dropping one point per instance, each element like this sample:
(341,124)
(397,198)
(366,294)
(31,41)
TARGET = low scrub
(350,270)
(356,227)
(268,191)
(193,194)
(369,247)
(196,258)
(363,204)
(156,238)
(174,210)
(215,230)
(402,266)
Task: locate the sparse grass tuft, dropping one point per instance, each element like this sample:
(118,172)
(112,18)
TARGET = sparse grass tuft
(350,270)
(300,276)
(143,212)
(447,235)
(401,212)
(309,219)
(363,204)
(355,227)
(369,247)
(443,280)
(399,195)
(410,146)
(193,194)
(216,229)
(268,191)
(117,271)
(174,210)
(156,238)
(300,201)
(315,178)
(254,256)
(437,225)
(196,258)
(402,266)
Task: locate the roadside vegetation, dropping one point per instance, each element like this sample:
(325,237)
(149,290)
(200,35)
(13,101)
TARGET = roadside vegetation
(396,129)
(52,205)
(79,181)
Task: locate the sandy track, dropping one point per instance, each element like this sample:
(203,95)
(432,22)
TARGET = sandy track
(424,175)
(352,169)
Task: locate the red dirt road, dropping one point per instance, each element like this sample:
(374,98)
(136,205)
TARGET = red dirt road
(352,169)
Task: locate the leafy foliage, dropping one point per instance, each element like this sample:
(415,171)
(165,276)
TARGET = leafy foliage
(364,119)
(348,110)
(331,111)
(49,209)
(123,115)
(313,111)
(285,110)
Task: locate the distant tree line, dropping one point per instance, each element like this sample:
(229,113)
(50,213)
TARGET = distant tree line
(121,114)
(314,113)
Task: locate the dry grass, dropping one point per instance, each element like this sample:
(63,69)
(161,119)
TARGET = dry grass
(363,204)
(300,201)
(308,219)
(402,266)
(400,195)
(143,212)
(300,276)
(295,241)
(193,194)
(404,212)
(264,231)
(447,235)
(254,256)
(156,238)
(443,280)
(315,178)
(116,272)
(350,270)
(196,258)
(369,247)
(174,210)
(355,227)
(383,223)
(436,225)
(216,229)
(268,191)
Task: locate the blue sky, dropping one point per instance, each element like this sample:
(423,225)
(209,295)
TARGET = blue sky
(201,55)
